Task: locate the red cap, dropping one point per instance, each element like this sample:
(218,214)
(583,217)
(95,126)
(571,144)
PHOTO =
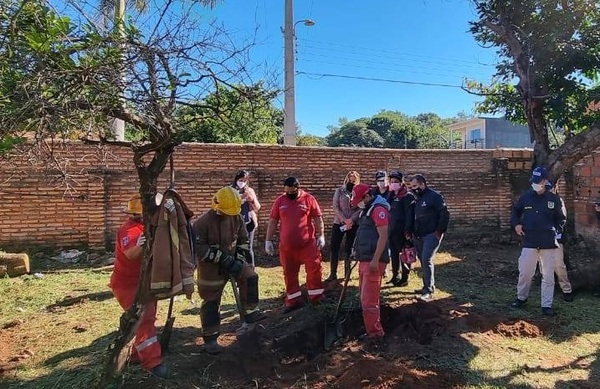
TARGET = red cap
(358,194)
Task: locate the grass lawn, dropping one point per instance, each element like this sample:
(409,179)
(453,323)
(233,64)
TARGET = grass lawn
(55,329)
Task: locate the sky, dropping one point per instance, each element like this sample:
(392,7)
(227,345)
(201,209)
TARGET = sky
(401,41)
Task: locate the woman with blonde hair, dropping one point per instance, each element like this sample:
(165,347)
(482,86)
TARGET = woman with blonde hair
(344,223)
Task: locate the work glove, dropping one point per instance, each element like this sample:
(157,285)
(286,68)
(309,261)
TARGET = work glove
(269,248)
(231,265)
(213,255)
(243,254)
(321,242)
(141,241)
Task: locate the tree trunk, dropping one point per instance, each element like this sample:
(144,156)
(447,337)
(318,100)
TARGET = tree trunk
(130,320)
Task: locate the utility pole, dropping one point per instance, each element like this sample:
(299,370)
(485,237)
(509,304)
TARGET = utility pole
(289,104)
(117,125)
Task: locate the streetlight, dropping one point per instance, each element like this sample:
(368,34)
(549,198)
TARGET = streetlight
(289,105)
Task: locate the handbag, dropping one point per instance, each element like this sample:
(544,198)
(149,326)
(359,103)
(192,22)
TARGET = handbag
(408,255)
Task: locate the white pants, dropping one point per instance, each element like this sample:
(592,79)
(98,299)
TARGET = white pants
(527,264)
(561,271)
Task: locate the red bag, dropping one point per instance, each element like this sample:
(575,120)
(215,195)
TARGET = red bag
(408,255)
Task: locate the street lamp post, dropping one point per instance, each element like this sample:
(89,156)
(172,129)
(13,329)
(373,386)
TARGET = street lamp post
(289,105)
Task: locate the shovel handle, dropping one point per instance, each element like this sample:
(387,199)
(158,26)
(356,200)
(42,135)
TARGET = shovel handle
(343,292)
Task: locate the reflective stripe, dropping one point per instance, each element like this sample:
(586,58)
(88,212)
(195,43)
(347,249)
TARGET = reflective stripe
(174,237)
(315,292)
(187,281)
(146,343)
(211,283)
(160,285)
(294,295)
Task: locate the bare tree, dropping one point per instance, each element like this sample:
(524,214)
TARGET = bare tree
(61,78)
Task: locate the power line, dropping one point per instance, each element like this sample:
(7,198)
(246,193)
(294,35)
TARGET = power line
(322,75)
(396,53)
(396,67)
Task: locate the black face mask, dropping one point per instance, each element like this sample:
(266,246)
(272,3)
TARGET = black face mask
(417,191)
(349,186)
(292,196)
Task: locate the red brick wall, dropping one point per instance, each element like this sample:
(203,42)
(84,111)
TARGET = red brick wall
(586,186)
(478,185)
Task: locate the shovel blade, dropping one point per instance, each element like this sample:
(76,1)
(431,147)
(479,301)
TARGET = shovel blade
(165,335)
(334,331)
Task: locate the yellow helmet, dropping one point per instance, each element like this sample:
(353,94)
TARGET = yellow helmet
(134,205)
(228,201)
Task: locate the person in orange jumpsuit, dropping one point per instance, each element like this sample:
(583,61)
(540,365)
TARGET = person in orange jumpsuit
(124,281)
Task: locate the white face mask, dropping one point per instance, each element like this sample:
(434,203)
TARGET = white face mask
(395,186)
(361,205)
(381,184)
(241,184)
(537,187)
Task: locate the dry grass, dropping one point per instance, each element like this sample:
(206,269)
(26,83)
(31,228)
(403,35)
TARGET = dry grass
(68,343)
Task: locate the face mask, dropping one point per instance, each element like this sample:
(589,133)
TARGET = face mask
(292,196)
(241,184)
(349,186)
(395,186)
(537,187)
(417,191)
(361,205)
(381,184)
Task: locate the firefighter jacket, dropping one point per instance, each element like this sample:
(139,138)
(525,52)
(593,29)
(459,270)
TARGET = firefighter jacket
(228,232)
(172,266)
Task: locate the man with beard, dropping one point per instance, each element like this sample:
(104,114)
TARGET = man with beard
(431,222)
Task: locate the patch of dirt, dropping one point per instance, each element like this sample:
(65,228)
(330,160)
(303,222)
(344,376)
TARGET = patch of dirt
(519,328)
(11,356)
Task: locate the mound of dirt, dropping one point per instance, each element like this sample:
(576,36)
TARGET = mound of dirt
(519,328)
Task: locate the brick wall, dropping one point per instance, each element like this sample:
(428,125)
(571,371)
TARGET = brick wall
(478,185)
(586,187)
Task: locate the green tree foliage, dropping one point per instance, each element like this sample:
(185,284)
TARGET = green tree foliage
(236,114)
(393,130)
(551,49)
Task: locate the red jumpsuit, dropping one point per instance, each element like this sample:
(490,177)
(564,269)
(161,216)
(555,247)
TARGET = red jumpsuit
(297,245)
(124,283)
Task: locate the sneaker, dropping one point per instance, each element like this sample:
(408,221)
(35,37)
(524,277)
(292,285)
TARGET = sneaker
(393,280)
(212,347)
(547,311)
(254,316)
(568,297)
(160,371)
(518,303)
(426,297)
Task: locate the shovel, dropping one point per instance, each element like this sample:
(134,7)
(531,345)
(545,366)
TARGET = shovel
(333,329)
(165,335)
(238,302)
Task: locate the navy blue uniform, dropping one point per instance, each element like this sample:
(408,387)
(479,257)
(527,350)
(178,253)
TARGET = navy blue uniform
(542,216)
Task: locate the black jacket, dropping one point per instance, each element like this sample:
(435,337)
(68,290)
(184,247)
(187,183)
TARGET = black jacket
(542,216)
(402,212)
(431,213)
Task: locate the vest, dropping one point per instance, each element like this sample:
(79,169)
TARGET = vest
(366,238)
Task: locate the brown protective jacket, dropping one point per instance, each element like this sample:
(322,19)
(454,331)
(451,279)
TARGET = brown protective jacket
(213,229)
(172,269)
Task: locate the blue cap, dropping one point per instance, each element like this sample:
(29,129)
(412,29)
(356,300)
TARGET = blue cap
(538,175)
(549,184)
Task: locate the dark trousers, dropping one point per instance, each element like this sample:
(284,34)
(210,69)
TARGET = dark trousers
(396,246)
(336,243)
(427,246)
